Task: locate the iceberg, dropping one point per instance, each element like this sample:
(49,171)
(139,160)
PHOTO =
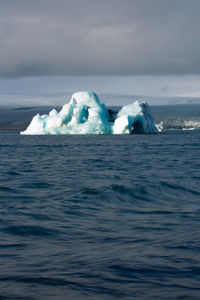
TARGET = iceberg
(85,114)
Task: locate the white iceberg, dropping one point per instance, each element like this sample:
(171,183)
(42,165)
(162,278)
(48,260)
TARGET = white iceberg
(85,114)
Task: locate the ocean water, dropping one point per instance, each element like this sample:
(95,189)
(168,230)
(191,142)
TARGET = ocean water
(100,216)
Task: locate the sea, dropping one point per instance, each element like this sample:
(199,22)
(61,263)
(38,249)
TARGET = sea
(100,216)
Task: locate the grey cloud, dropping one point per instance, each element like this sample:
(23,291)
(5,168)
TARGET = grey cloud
(92,37)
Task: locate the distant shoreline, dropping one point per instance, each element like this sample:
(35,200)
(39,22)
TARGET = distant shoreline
(12,128)
(18,119)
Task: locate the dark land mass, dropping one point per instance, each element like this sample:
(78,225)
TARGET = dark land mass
(19,118)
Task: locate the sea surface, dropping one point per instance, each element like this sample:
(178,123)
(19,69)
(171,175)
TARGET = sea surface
(101,216)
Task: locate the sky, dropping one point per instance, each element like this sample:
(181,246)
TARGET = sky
(50,48)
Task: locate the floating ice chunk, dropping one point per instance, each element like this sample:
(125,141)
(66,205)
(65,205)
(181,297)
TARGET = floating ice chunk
(134,118)
(85,114)
(159,126)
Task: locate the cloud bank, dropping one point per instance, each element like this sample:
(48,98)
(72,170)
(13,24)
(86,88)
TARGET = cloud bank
(92,37)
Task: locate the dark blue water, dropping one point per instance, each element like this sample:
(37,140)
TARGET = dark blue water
(100,217)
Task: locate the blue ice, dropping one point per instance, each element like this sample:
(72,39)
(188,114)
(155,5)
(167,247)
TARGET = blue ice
(85,114)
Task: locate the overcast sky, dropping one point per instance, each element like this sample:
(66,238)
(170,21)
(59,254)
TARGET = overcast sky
(134,38)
